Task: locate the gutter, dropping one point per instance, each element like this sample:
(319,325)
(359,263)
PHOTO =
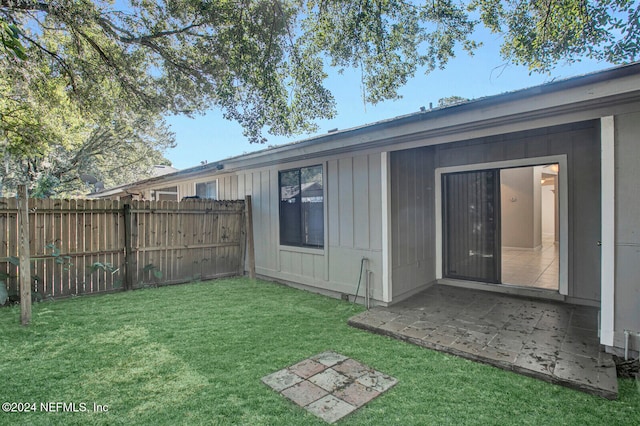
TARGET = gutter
(381,133)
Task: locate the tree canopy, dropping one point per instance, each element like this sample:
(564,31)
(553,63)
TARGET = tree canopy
(71,68)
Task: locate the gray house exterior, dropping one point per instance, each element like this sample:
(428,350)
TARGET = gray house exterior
(388,193)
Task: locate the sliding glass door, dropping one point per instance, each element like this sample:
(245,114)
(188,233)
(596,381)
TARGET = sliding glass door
(471,228)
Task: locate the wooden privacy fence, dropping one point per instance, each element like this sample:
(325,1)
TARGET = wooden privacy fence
(94,246)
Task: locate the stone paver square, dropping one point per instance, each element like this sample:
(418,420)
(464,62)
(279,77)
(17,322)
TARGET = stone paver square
(329,358)
(377,381)
(356,394)
(329,380)
(329,392)
(330,409)
(351,368)
(304,393)
(307,368)
(281,380)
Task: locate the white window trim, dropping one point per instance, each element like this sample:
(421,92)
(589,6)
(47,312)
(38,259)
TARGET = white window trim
(608,232)
(195,187)
(522,162)
(156,194)
(300,249)
(385,184)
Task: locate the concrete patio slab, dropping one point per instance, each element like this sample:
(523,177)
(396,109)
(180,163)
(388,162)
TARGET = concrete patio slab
(329,385)
(548,340)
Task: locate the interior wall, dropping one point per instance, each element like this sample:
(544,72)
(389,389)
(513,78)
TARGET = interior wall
(537,207)
(548,210)
(518,207)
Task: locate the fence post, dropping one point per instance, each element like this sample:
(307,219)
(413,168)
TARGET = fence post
(130,236)
(24,253)
(250,248)
(243,240)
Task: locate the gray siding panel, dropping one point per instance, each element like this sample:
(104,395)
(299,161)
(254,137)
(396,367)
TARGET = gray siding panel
(413,244)
(333,203)
(361,202)
(375,202)
(584,215)
(412,219)
(353,226)
(262,215)
(308,266)
(627,267)
(345,201)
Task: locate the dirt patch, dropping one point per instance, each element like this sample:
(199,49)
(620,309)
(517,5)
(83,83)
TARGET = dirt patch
(626,368)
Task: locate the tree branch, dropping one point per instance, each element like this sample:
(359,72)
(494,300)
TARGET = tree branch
(116,31)
(26,5)
(57,58)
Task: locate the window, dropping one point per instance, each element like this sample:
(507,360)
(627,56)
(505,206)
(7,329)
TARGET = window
(165,194)
(207,190)
(302,207)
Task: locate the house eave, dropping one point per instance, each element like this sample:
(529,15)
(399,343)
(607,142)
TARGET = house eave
(577,98)
(556,102)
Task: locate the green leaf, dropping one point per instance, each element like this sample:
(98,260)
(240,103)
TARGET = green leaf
(96,266)
(4,294)
(149,267)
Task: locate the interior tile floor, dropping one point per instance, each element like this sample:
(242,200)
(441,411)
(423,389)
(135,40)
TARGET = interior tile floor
(532,268)
(551,341)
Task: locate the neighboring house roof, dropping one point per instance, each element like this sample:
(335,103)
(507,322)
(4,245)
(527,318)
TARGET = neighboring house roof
(536,105)
(161,170)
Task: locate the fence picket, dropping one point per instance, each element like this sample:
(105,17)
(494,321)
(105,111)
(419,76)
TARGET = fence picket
(184,240)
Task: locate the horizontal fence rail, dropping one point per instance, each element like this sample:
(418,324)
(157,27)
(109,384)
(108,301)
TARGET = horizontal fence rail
(96,246)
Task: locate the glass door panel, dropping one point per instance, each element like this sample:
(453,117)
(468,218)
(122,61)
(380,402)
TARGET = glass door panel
(471,232)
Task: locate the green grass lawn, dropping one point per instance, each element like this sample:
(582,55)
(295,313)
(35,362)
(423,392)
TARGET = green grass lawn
(195,353)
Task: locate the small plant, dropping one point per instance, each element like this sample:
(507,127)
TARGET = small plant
(7,297)
(4,294)
(14,260)
(157,273)
(65,261)
(107,267)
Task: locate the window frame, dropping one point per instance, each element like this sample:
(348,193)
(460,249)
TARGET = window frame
(205,182)
(302,247)
(157,193)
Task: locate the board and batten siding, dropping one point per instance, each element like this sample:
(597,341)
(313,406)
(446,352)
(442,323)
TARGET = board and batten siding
(227,186)
(354,221)
(353,215)
(578,141)
(627,222)
(412,220)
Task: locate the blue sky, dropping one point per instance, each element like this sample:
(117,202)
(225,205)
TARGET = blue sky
(210,137)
